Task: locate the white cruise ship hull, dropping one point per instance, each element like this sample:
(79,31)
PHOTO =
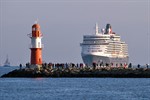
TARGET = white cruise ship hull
(90,59)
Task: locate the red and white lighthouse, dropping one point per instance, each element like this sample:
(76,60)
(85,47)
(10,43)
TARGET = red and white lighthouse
(36,45)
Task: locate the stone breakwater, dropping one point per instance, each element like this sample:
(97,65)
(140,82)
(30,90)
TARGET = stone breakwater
(119,72)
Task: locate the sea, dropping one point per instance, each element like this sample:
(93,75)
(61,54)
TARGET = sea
(73,88)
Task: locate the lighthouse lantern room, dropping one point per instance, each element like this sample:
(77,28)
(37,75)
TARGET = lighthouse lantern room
(36,45)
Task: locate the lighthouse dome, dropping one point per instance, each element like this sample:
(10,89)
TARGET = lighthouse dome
(36,26)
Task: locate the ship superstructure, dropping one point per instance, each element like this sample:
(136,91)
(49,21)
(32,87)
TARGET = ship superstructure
(104,48)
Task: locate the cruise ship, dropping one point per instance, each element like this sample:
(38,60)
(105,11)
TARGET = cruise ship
(104,48)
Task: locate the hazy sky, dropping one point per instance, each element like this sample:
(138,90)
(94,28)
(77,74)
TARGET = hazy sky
(64,22)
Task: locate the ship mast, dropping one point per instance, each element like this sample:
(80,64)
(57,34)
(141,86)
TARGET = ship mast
(96,29)
(7,63)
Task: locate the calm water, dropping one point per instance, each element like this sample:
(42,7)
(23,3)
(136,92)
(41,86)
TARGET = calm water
(73,88)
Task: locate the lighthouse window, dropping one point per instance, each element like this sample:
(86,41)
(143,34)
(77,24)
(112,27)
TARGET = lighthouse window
(33,29)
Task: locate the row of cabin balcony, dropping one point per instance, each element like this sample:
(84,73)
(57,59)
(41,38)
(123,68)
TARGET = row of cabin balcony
(119,45)
(125,52)
(117,53)
(94,50)
(94,44)
(90,39)
(116,47)
(116,42)
(118,50)
(92,36)
(95,41)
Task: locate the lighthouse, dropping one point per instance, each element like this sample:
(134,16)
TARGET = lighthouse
(36,45)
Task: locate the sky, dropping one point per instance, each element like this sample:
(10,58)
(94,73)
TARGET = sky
(63,24)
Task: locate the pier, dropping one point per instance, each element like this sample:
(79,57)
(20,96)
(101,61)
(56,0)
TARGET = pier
(78,71)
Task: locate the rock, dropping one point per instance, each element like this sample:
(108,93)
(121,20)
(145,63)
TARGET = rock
(81,72)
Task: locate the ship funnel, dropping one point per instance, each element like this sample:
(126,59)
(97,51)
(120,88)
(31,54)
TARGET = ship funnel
(108,29)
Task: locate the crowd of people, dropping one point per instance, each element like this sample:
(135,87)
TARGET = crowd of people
(81,65)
